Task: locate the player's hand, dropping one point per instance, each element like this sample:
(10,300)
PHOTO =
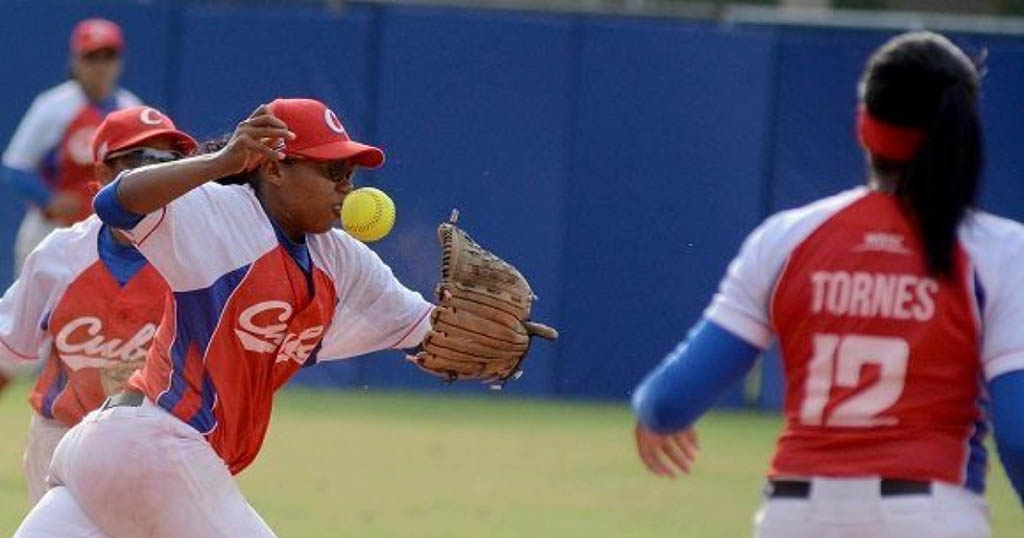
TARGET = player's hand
(664,454)
(256,139)
(64,207)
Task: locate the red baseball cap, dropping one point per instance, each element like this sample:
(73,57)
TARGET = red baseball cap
(95,34)
(319,135)
(131,126)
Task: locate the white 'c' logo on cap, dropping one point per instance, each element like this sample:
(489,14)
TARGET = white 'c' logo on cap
(333,122)
(150,117)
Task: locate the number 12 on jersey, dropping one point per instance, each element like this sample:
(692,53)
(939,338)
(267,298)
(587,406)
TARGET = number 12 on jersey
(837,362)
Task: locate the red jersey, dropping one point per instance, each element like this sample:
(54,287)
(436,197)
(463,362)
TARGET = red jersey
(70,309)
(250,308)
(884,363)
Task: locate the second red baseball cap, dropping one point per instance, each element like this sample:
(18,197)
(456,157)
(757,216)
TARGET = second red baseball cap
(131,126)
(319,134)
(95,34)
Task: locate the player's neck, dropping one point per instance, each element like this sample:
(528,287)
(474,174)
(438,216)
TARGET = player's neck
(884,183)
(96,94)
(281,218)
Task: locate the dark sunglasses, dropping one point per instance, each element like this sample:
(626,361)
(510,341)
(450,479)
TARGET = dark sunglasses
(334,171)
(144,156)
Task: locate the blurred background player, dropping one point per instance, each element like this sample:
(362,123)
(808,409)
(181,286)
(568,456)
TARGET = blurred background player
(48,160)
(87,301)
(897,306)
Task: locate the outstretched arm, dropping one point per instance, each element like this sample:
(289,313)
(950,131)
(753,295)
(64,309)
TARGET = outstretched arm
(684,386)
(144,190)
(692,378)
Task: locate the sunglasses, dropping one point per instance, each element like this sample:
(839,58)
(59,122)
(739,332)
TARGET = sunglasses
(137,157)
(334,171)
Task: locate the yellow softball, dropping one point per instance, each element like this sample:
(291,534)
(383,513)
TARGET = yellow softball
(367,214)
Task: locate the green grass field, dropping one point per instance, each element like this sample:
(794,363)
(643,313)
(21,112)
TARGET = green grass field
(385,465)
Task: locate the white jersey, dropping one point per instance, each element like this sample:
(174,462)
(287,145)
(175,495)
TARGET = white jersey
(246,314)
(47,123)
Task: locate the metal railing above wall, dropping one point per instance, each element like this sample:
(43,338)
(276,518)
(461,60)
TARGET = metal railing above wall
(723,11)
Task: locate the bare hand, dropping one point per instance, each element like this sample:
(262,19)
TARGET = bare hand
(64,207)
(255,139)
(679,449)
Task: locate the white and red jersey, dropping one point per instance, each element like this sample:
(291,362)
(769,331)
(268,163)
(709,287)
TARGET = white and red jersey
(245,315)
(884,364)
(70,310)
(54,138)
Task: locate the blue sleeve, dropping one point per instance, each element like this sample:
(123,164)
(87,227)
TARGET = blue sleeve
(27,185)
(1007,394)
(109,209)
(692,378)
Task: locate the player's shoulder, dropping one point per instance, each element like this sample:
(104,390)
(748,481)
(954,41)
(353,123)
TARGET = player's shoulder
(991,240)
(339,251)
(125,98)
(793,225)
(60,98)
(68,250)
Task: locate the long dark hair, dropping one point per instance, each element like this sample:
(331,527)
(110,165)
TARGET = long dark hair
(213,146)
(921,79)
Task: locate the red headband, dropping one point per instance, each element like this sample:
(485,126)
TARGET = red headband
(886,140)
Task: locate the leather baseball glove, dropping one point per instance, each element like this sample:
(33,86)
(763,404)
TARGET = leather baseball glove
(481,327)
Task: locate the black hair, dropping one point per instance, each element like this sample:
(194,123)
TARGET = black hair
(213,146)
(921,79)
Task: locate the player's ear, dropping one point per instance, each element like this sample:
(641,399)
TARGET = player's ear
(272,172)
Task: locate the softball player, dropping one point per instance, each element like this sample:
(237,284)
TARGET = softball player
(48,160)
(262,286)
(87,301)
(898,310)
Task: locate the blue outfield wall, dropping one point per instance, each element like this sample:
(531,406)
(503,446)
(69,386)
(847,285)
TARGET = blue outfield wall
(618,162)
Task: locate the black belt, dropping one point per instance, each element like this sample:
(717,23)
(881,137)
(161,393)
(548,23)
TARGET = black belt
(128,398)
(801,489)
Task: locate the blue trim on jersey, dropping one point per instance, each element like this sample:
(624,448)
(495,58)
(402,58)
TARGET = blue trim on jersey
(108,207)
(48,167)
(122,261)
(203,420)
(55,389)
(692,378)
(977,457)
(26,185)
(979,293)
(1007,396)
(106,105)
(312,359)
(298,251)
(197,314)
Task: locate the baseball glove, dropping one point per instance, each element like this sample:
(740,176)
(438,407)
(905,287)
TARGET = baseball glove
(480,327)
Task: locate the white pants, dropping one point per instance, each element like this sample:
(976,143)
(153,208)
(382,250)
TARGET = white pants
(43,436)
(128,472)
(34,228)
(853,508)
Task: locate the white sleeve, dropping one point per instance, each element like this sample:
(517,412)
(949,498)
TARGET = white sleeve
(127,99)
(209,231)
(39,131)
(741,304)
(27,303)
(1002,285)
(375,311)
